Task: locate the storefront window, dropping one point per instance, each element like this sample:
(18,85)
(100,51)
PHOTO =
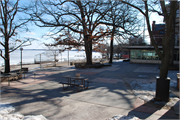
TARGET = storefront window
(133,54)
(144,54)
(155,56)
(138,54)
(150,55)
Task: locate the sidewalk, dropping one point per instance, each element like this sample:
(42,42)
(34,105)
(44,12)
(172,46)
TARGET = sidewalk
(109,94)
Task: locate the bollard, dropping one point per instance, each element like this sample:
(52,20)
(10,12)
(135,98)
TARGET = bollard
(34,76)
(178,79)
(24,75)
(8,82)
(162,89)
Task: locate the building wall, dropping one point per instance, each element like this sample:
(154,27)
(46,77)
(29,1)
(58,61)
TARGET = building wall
(149,61)
(158,30)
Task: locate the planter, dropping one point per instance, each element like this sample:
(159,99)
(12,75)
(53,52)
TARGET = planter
(71,63)
(25,69)
(162,89)
(83,65)
(10,77)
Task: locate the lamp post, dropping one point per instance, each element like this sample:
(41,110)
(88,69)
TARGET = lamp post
(68,54)
(106,53)
(40,59)
(61,56)
(21,49)
(60,51)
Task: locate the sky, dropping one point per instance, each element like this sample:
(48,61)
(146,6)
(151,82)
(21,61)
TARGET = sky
(37,33)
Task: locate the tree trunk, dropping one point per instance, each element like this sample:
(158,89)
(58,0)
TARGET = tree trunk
(172,44)
(7,63)
(164,66)
(111,45)
(88,50)
(163,83)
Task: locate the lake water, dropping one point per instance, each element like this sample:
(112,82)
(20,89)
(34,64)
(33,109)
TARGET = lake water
(29,56)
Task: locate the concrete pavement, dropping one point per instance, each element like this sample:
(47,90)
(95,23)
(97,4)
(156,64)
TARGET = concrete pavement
(107,96)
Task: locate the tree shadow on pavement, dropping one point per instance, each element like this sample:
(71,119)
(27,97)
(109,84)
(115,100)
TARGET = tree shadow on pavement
(39,98)
(49,98)
(150,110)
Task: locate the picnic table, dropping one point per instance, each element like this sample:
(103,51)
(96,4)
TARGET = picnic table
(80,82)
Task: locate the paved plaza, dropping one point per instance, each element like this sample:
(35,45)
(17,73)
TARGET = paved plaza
(108,95)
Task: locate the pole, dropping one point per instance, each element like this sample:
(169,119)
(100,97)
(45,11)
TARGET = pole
(21,59)
(21,49)
(55,58)
(61,56)
(40,60)
(68,57)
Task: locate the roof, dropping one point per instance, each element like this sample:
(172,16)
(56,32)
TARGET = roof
(145,47)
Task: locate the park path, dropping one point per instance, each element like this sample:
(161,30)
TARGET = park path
(107,96)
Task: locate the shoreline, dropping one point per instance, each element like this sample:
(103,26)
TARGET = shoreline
(33,66)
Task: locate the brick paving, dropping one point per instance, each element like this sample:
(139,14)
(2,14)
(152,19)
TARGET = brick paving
(107,80)
(100,79)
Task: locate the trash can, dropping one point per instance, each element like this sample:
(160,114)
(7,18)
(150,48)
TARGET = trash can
(71,63)
(162,89)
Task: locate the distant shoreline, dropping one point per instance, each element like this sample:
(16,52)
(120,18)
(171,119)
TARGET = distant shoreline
(48,49)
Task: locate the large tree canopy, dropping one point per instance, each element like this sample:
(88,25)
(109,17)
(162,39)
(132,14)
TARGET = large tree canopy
(78,22)
(75,21)
(10,24)
(122,21)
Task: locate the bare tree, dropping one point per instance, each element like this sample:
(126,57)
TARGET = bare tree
(103,48)
(117,50)
(77,22)
(52,52)
(122,20)
(10,24)
(136,41)
(165,56)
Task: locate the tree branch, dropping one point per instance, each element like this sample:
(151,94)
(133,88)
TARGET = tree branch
(22,44)
(134,7)
(2,55)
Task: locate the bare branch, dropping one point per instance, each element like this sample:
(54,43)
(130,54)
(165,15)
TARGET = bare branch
(2,44)
(134,7)
(2,55)
(23,44)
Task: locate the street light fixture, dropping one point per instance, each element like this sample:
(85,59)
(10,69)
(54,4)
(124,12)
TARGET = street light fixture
(21,49)
(106,53)
(60,51)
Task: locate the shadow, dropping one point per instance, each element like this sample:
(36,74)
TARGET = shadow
(49,99)
(152,110)
(39,98)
